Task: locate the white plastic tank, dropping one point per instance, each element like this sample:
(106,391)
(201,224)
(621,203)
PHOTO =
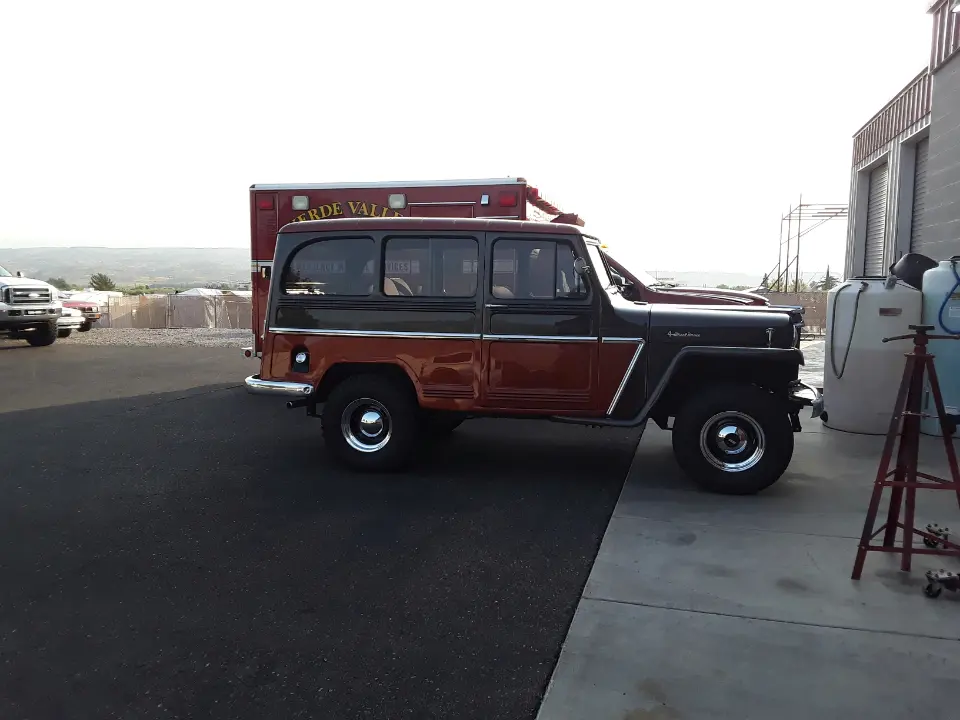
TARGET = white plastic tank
(861,374)
(941,308)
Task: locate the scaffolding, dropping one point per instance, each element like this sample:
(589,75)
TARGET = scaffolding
(800,221)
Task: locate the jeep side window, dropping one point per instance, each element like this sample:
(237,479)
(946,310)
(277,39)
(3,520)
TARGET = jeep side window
(339,266)
(535,269)
(430,266)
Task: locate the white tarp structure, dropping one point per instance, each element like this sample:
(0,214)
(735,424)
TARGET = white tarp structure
(210,309)
(201,292)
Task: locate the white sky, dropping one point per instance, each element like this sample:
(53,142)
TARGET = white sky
(703,120)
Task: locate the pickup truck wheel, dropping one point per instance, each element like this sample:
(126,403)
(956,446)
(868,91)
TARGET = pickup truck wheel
(86,326)
(372,423)
(43,335)
(733,439)
(63,333)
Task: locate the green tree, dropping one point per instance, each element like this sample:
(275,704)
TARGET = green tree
(828,283)
(100,281)
(59,283)
(765,281)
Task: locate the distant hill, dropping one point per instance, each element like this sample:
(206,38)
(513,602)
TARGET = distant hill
(198,266)
(127,266)
(709,278)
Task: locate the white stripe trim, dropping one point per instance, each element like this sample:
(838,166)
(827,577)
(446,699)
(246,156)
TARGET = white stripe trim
(626,378)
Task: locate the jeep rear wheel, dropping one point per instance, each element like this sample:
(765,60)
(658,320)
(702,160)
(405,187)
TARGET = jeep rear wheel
(371,423)
(43,335)
(733,439)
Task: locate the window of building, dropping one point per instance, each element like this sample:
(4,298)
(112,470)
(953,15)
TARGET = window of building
(535,270)
(430,267)
(340,266)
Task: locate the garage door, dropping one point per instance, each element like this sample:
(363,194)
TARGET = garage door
(919,193)
(876,223)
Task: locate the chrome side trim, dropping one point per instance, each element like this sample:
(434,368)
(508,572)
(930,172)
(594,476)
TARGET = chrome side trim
(433,336)
(541,338)
(442,202)
(623,340)
(275,387)
(375,333)
(626,377)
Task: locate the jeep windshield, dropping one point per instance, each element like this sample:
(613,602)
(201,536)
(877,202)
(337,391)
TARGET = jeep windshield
(4,272)
(645,279)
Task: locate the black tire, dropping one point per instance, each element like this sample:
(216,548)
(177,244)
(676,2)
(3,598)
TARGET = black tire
(86,327)
(64,333)
(732,466)
(393,401)
(42,336)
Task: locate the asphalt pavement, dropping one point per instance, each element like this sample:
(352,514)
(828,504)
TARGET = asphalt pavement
(171,546)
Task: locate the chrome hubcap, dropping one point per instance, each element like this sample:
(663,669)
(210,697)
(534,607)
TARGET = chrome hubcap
(365,424)
(732,441)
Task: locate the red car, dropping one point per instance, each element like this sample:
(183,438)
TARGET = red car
(647,288)
(91,312)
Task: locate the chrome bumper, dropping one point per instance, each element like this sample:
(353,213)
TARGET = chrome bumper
(804,395)
(275,387)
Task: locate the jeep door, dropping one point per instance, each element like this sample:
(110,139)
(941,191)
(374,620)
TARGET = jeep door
(540,326)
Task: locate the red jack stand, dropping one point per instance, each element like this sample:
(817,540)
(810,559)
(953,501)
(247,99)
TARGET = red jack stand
(907,413)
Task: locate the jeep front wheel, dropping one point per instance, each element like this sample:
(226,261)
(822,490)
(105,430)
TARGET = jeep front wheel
(733,439)
(372,423)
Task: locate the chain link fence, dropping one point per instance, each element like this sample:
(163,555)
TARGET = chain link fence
(161,312)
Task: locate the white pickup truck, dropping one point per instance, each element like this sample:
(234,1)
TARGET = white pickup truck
(29,309)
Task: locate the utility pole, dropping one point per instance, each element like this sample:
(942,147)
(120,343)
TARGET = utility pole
(779,253)
(786,270)
(796,281)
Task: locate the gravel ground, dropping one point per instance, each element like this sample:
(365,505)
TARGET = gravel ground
(197,337)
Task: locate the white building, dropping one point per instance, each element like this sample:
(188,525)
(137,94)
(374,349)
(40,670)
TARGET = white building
(905,185)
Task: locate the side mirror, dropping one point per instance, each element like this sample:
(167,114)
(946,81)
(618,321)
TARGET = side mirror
(580,267)
(19,273)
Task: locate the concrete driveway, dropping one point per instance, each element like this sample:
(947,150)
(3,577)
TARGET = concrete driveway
(706,607)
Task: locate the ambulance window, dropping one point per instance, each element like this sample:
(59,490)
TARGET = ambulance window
(341,266)
(430,267)
(535,269)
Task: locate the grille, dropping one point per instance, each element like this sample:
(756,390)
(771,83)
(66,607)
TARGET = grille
(28,296)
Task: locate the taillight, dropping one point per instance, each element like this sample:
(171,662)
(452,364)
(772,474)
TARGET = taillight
(265,203)
(508,199)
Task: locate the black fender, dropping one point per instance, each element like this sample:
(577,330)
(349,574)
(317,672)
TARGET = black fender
(773,355)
